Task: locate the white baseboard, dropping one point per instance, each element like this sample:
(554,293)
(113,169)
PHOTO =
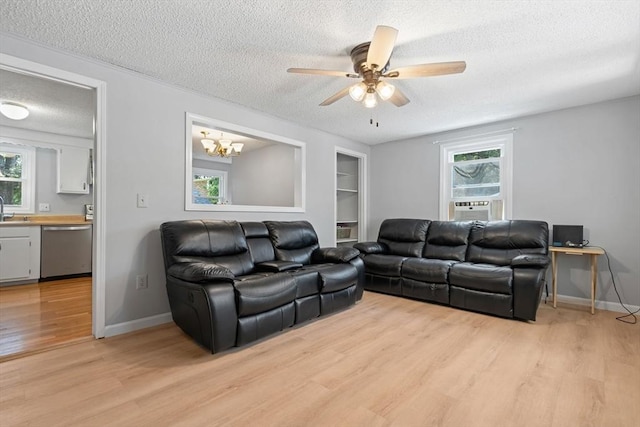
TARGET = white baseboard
(134,325)
(600,305)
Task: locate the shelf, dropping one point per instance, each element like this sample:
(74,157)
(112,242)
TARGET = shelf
(353,221)
(344,174)
(346,240)
(346,190)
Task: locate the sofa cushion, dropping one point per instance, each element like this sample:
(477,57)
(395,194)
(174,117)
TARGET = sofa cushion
(427,270)
(307,281)
(200,272)
(498,242)
(337,277)
(404,237)
(293,240)
(384,265)
(258,241)
(260,294)
(482,277)
(447,240)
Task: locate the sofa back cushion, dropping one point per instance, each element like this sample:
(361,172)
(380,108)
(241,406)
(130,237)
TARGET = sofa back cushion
(293,241)
(215,242)
(498,242)
(403,236)
(258,240)
(447,240)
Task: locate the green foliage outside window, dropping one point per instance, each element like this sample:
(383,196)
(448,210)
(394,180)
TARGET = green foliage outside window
(10,178)
(477,155)
(472,177)
(206,189)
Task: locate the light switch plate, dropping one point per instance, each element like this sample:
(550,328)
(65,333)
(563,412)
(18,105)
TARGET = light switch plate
(143,201)
(44,207)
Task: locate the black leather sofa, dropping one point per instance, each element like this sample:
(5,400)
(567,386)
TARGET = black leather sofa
(495,267)
(231,283)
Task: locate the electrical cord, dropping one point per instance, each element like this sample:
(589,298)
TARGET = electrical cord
(631,314)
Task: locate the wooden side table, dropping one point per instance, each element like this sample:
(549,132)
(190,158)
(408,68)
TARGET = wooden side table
(593,253)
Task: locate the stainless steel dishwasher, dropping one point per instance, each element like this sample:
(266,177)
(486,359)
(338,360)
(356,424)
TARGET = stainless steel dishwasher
(65,250)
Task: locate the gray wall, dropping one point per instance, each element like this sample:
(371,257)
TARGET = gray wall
(145,154)
(46,179)
(575,166)
(265,177)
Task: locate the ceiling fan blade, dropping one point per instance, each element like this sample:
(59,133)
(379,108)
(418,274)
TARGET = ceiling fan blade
(398,98)
(381,47)
(427,70)
(321,72)
(333,98)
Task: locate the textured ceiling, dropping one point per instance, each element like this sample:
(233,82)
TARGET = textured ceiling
(54,107)
(523,57)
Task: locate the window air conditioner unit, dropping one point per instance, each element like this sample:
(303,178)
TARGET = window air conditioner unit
(467,211)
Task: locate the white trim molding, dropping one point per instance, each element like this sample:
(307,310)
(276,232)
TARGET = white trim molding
(600,305)
(137,324)
(16,64)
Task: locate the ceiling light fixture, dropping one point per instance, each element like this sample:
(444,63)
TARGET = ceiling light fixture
(385,90)
(370,99)
(14,111)
(222,147)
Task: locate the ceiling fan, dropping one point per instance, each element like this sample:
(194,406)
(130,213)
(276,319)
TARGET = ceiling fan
(371,62)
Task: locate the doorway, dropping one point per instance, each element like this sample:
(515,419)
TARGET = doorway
(96,281)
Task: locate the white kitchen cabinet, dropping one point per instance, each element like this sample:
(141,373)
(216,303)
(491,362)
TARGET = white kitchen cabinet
(74,170)
(19,253)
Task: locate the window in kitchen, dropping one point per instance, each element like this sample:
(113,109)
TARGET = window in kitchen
(475,179)
(209,187)
(17,178)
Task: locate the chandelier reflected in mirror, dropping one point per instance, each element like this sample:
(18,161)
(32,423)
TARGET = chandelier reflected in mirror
(222,147)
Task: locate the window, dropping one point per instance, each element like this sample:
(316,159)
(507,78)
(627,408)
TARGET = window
(476,174)
(209,187)
(17,178)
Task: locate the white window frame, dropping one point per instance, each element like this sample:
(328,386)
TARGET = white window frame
(447,151)
(28,178)
(223,190)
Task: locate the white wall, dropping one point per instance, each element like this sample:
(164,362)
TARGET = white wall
(145,154)
(575,166)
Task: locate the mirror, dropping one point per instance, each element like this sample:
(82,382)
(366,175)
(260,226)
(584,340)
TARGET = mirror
(243,170)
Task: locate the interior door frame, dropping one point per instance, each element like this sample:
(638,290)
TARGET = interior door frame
(12,63)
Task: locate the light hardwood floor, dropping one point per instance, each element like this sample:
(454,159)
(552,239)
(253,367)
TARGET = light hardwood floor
(43,315)
(386,361)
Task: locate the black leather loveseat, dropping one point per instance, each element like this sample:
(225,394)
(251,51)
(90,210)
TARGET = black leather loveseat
(230,283)
(495,267)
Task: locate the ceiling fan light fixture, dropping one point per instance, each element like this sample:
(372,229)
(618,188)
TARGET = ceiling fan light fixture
(14,111)
(358,91)
(385,90)
(370,100)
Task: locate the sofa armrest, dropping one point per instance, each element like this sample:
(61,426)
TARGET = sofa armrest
(341,254)
(277,266)
(530,261)
(200,272)
(369,248)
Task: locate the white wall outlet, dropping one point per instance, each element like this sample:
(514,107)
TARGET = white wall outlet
(44,207)
(143,201)
(141,281)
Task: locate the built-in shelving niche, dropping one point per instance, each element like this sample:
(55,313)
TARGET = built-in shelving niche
(350,197)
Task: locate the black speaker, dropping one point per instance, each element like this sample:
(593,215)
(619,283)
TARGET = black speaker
(568,236)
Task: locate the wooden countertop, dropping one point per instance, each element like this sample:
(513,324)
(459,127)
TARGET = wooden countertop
(19,220)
